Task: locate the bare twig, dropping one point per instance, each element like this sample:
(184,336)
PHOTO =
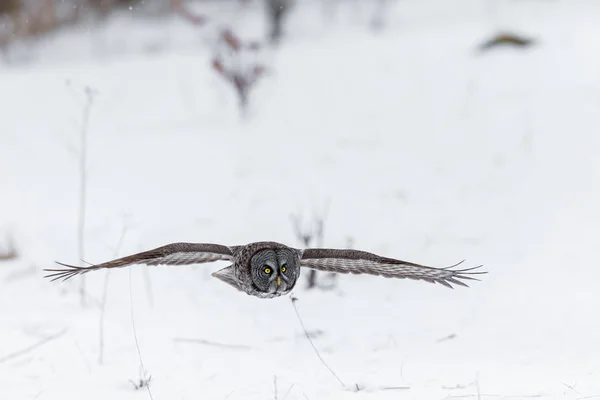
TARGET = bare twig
(32,347)
(303,237)
(83,357)
(275,387)
(308,237)
(215,344)
(572,387)
(464,396)
(137,344)
(448,337)
(288,392)
(105,294)
(358,388)
(276,13)
(294,299)
(89,99)
(457,386)
(144,382)
(506,39)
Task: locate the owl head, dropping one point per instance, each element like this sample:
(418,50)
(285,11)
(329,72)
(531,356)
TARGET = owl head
(275,271)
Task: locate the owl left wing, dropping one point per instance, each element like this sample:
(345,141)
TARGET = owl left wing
(361,262)
(171,254)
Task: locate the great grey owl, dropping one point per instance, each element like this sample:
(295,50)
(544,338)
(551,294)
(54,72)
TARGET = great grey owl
(270,269)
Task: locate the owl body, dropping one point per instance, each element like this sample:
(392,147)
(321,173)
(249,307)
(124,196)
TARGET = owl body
(270,269)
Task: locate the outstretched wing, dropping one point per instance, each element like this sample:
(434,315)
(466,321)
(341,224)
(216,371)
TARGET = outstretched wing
(171,254)
(361,262)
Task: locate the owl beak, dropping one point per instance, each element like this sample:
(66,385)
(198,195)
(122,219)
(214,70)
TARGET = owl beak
(278,280)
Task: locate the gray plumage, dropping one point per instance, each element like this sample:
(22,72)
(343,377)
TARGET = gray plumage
(270,269)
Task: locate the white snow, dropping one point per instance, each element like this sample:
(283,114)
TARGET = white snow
(422,149)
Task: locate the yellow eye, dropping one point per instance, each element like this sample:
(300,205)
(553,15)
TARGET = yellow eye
(283,269)
(267,270)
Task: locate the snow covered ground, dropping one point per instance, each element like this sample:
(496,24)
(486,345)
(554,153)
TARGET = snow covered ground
(423,150)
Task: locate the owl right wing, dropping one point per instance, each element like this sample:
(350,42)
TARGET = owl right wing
(171,254)
(360,262)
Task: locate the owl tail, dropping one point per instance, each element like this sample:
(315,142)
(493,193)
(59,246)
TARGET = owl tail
(226,275)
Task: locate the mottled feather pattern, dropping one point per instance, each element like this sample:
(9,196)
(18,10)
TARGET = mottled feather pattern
(361,262)
(243,255)
(239,274)
(188,258)
(171,254)
(227,275)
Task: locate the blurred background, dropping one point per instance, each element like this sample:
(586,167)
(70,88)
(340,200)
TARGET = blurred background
(431,131)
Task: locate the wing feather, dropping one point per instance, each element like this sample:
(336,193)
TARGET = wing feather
(171,254)
(361,262)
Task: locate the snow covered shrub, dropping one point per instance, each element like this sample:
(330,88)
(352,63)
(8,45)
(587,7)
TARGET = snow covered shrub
(104,7)
(9,6)
(237,62)
(8,250)
(34,18)
(179,7)
(23,19)
(312,237)
(379,15)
